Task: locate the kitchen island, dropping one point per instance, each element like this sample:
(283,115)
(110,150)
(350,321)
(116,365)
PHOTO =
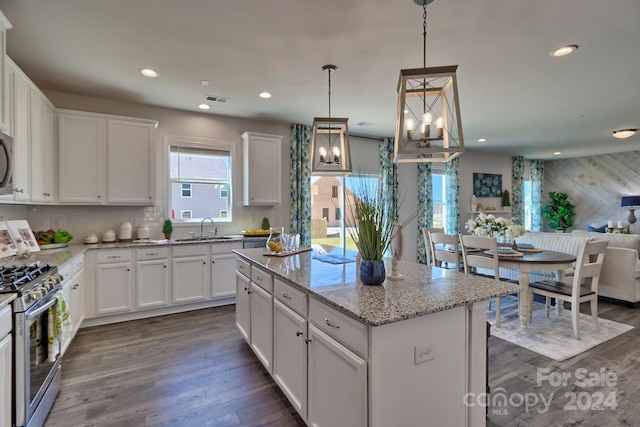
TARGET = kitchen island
(407,352)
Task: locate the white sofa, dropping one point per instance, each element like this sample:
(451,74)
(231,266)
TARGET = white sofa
(620,275)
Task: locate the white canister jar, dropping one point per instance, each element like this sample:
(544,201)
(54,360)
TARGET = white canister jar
(108,236)
(125,231)
(143,232)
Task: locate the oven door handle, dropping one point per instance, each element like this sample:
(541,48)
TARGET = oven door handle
(40,310)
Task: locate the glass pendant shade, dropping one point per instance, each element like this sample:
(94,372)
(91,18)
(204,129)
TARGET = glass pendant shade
(428,126)
(331,153)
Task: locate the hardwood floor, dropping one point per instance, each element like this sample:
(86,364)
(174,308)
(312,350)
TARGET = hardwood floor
(187,369)
(194,369)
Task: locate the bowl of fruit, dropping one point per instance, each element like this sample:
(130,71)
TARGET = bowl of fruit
(52,239)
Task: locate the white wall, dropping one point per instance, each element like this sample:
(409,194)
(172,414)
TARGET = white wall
(481,162)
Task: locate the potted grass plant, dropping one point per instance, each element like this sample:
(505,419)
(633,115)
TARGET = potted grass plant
(375,227)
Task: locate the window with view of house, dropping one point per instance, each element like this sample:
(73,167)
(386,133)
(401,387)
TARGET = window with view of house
(200,181)
(336,230)
(186,190)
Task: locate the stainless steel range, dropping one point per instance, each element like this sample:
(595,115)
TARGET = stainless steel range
(37,374)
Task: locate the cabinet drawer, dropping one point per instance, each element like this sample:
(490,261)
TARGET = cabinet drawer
(190,250)
(71,267)
(152,253)
(103,257)
(243,266)
(225,248)
(262,279)
(5,321)
(348,331)
(293,298)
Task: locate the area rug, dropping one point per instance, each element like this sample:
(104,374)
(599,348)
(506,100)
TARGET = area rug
(553,336)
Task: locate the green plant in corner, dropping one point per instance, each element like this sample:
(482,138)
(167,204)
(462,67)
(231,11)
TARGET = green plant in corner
(506,200)
(265,224)
(168,226)
(559,210)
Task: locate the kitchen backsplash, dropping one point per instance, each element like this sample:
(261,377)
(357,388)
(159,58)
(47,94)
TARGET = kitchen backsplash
(83,220)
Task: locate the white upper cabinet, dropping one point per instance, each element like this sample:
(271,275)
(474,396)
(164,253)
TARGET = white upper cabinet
(5,106)
(32,124)
(261,162)
(129,162)
(104,159)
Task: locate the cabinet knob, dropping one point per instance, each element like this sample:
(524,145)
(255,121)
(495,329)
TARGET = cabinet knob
(213,262)
(307,340)
(298,333)
(99,196)
(204,263)
(165,266)
(284,295)
(46,194)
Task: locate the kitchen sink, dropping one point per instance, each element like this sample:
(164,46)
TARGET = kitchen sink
(205,239)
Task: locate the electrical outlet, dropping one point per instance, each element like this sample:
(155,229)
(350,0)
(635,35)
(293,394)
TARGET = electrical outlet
(424,352)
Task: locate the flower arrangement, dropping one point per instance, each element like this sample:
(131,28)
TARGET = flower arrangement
(492,226)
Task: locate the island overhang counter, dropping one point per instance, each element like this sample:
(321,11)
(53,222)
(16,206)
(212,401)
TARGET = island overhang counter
(407,352)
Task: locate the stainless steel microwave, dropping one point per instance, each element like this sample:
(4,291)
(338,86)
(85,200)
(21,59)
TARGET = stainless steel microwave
(6,164)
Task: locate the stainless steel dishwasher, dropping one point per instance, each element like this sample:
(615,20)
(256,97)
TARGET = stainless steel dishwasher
(254,242)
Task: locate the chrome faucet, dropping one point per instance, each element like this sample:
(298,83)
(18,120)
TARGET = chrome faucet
(215,229)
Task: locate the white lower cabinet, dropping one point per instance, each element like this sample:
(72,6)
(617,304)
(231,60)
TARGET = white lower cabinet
(76,300)
(153,278)
(337,383)
(6,405)
(223,268)
(290,355)
(316,355)
(114,288)
(243,308)
(190,273)
(262,325)
(114,281)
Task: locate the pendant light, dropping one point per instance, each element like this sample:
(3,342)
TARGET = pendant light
(428,126)
(330,150)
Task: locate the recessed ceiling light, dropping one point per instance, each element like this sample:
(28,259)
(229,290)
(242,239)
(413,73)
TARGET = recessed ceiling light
(204,82)
(564,50)
(203,106)
(482,140)
(265,95)
(557,153)
(148,72)
(623,133)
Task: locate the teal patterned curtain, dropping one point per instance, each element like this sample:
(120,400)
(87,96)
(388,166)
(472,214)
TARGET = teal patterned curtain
(453,208)
(301,182)
(388,173)
(537,173)
(517,189)
(425,207)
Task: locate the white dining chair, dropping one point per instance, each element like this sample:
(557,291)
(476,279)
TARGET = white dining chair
(473,257)
(427,242)
(445,249)
(583,287)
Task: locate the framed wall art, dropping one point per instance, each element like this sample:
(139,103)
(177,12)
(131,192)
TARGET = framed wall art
(487,185)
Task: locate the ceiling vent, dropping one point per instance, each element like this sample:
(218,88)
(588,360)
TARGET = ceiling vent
(220,99)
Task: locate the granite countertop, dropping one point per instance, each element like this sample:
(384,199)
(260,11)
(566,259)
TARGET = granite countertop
(424,289)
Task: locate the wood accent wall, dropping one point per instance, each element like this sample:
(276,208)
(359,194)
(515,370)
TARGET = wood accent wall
(595,185)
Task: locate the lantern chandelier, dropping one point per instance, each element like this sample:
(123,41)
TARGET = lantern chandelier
(428,126)
(330,150)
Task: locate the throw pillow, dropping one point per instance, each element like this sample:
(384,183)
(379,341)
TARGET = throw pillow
(596,229)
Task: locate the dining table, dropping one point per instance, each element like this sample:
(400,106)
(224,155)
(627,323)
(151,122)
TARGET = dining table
(528,260)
